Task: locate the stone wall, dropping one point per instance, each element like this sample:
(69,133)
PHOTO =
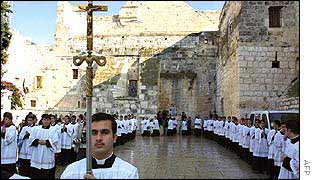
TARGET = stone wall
(289,103)
(187,73)
(255,50)
(139,43)
(228,65)
(175,54)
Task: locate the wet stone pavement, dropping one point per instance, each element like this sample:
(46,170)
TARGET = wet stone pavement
(182,157)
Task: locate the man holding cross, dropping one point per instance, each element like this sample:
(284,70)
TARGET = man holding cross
(105,164)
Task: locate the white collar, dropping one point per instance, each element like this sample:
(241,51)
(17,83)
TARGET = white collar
(102,161)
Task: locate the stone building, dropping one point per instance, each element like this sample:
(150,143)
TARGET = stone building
(259,55)
(162,53)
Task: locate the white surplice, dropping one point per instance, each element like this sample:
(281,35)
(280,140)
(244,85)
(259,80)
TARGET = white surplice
(119,170)
(9,145)
(43,157)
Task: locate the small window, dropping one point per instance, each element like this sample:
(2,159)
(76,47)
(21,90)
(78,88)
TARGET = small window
(275,63)
(79,104)
(274,16)
(39,80)
(133,88)
(33,103)
(75,73)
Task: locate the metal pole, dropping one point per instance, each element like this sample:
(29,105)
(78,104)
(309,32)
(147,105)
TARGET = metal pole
(100,60)
(89,86)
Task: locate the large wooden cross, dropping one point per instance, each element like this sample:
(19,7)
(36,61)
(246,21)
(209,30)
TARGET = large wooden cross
(100,60)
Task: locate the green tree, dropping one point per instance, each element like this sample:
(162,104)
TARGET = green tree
(5,33)
(5,41)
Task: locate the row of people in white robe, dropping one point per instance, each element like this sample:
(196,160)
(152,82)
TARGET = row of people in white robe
(126,130)
(40,156)
(150,128)
(260,143)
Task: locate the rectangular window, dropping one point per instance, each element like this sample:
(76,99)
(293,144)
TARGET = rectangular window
(274,16)
(39,80)
(79,104)
(75,73)
(275,64)
(33,103)
(133,88)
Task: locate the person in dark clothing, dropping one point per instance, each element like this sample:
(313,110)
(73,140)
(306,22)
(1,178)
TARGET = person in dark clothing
(159,117)
(189,126)
(165,120)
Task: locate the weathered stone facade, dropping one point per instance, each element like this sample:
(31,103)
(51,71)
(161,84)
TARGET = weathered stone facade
(292,103)
(248,46)
(152,43)
(162,53)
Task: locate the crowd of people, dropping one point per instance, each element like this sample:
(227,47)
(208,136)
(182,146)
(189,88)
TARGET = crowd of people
(274,152)
(41,145)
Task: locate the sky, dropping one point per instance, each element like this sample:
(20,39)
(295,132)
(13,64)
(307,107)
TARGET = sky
(37,19)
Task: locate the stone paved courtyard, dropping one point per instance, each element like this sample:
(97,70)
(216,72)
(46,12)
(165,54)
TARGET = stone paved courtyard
(182,157)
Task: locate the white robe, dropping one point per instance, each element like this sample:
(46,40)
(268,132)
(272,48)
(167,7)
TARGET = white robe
(261,150)
(198,123)
(184,126)
(129,126)
(271,134)
(142,126)
(43,157)
(221,130)
(215,127)
(291,151)
(279,144)
(26,150)
(205,124)
(170,124)
(237,133)
(156,125)
(226,128)
(119,170)
(210,125)
(246,137)
(126,124)
(9,145)
(252,142)
(234,133)
(75,135)
(230,130)
(240,134)
(145,125)
(133,122)
(57,129)
(67,136)
(17,176)
(118,131)
(123,126)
